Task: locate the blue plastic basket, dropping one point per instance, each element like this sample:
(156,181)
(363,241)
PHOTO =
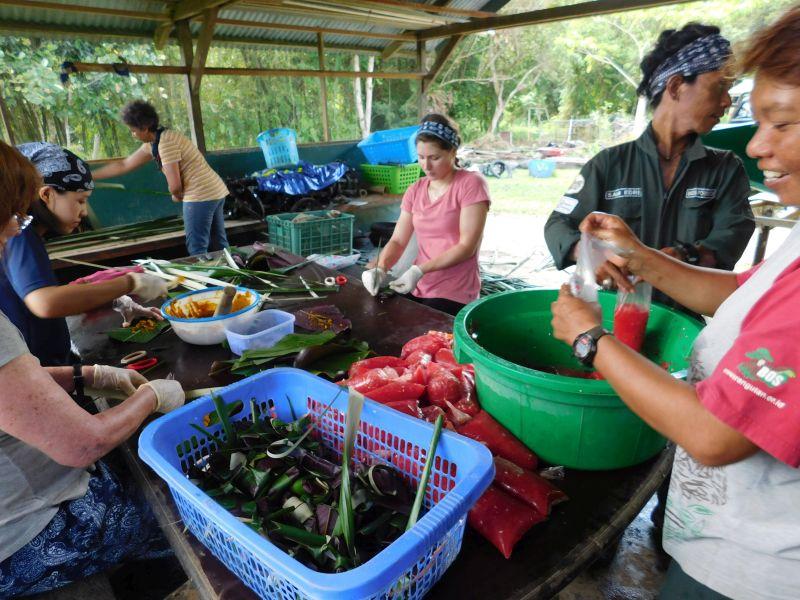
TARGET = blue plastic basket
(391,146)
(408,568)
(541,167)
(279,147)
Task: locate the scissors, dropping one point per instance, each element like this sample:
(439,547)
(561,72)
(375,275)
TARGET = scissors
(139,361)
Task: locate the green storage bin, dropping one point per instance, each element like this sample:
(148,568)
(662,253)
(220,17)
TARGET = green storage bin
(578,423)
(322,235)
(396,178)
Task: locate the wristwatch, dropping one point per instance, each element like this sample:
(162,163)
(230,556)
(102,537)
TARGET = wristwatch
(690,252)
(585,345)
(77,380)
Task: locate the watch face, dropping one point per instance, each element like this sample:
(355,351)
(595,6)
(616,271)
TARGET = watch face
(583,346)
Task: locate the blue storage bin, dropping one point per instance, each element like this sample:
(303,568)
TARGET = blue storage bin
(279,147)
(395,146)
(407,568)
(264,330)
(541,167)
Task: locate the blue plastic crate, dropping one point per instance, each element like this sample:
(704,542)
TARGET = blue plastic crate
(391,146)
(408,568)
(279,147)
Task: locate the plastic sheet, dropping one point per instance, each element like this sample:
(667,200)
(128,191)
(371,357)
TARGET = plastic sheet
(300,180)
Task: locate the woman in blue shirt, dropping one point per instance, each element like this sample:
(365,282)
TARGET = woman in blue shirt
(30,295)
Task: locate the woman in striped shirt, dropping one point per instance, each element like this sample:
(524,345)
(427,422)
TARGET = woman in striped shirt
(189,177)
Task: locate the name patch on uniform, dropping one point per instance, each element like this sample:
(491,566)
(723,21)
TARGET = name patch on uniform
(693,193)
(566,205)
(624,193)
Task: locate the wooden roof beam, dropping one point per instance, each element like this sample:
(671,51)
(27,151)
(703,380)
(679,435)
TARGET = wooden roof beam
(92,10)
(186,9)
(202,47)
(83,67)
(547,15)
(405,37)
(441,58)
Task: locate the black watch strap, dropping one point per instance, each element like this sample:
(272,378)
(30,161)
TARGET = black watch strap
(77,380)
(595,333)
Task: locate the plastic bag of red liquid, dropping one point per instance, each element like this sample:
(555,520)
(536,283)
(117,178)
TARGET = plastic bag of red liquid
(377,362)
(430,343)
(483,428)
(367,381)
(502,519)
(396,390)
(443,386)
(630,315)
(527,486)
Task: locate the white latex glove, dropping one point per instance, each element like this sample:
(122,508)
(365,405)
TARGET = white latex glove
(169,394)
(407,282)
(116,379)
(373,280)
(129,310)
(148,287)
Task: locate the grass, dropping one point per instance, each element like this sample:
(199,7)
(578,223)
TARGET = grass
(523,194)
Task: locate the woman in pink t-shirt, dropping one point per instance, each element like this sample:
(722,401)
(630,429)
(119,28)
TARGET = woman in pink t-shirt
(447,209)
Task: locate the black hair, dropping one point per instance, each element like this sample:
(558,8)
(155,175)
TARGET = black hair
(428,137)
(668,44)
(140,114)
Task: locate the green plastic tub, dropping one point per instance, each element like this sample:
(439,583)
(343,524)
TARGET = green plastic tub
(568,421)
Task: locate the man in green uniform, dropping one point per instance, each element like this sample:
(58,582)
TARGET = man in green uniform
(676,194)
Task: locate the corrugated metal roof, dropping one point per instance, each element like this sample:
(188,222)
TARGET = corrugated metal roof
(47,17)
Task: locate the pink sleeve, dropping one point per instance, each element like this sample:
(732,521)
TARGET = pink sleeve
(745,275)
(474,190)
(755,388)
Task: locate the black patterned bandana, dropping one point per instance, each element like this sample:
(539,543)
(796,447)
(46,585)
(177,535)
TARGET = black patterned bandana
(703,55)
(59,167)
(443,132)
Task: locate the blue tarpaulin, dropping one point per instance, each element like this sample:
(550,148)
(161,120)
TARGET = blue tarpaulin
(300,179)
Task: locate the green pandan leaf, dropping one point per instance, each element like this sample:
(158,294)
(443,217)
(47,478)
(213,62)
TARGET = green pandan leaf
(124,334)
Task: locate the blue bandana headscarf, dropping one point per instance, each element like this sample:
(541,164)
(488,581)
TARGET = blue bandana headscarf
(703,55)
(59,167)
(443,132)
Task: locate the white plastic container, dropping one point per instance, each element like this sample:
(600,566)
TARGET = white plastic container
(209,330)
(264,330)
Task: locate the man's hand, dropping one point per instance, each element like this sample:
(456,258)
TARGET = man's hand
(114,379)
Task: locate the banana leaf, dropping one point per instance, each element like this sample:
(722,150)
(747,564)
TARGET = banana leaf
(124,334)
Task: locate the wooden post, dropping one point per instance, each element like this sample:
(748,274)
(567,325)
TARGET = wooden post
(6,119)
(423,83)
(192,97)
(323,89)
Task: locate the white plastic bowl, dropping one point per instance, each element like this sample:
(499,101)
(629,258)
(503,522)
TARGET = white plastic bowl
(209,330)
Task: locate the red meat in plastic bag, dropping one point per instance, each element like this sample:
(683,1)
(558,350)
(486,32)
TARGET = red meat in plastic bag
(409,407)
(443,386)
(431,342)
(396,390)
(630,323)
(418,357)
(468,402)
(376,362)
(483,428)
(530,487)
(502,519)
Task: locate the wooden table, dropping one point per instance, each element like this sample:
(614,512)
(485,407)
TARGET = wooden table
(601,504)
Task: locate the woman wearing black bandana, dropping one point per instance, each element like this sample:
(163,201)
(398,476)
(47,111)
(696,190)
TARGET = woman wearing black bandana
(30,295)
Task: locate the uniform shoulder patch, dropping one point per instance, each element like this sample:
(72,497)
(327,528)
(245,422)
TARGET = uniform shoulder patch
(576,185)
(566,205)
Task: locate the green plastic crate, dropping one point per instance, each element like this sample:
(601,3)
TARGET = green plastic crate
(322,235)
(396,178)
